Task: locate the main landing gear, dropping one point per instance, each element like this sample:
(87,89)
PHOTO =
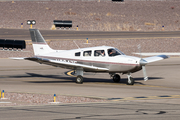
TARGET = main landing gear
(79,78)
(116,78)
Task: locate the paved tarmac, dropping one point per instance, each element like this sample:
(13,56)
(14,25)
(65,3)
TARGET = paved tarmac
(157,98)
(94,111)
(23,34)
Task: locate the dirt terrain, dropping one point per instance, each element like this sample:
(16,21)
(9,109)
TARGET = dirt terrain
(130,15)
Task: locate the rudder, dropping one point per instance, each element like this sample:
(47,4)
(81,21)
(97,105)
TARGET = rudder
(40,46)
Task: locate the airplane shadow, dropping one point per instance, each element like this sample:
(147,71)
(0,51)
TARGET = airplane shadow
(50,78)
(122,81)
(69,79)
(58,77)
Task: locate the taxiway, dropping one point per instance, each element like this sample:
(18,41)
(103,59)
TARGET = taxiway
(23,34)
(157,98)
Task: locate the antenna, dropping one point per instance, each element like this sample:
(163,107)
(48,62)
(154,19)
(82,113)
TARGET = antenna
(76,44)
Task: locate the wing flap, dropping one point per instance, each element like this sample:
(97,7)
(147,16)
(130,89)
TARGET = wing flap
(155,58)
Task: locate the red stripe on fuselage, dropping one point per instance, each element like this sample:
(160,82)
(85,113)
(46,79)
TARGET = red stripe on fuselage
(78,60)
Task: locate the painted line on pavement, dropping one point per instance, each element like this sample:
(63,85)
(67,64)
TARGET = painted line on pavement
(70,73)
(145,98)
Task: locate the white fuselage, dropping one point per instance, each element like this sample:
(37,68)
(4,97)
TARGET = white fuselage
(115,64)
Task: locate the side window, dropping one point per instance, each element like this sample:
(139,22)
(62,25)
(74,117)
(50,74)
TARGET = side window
(87,53)
(78,54)
(99,53)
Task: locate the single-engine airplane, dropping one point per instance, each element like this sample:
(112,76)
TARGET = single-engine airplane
(93,59)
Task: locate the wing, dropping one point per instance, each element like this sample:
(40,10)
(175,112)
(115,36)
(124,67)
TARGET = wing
(62,64)
(155,58)
(156,53)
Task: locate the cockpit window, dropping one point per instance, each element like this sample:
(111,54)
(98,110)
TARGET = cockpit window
(87,53)
(78,54)
(114,51)
(99,53)
(119,51)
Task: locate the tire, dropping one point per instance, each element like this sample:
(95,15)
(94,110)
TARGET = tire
(79,79)
(131,82)
(116,78)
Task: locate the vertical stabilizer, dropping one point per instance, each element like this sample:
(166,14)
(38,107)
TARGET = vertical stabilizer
(39,44)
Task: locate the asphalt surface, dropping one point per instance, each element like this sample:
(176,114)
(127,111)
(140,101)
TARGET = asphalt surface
(23,34)
(94,111)
(158,98)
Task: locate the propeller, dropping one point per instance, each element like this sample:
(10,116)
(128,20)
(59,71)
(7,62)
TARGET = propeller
(143,63)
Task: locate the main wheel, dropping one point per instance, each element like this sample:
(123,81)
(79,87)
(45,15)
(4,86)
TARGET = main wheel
(131,81)
(116,78)
(79,79)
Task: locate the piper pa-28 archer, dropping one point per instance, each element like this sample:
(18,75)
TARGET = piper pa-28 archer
(93,59)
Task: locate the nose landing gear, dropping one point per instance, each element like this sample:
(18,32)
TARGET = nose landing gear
(130,80)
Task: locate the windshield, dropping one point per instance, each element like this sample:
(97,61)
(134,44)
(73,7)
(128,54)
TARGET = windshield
(119,51)
(114,52)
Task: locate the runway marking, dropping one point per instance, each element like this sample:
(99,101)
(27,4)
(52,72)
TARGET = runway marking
(70,73)
(145,98)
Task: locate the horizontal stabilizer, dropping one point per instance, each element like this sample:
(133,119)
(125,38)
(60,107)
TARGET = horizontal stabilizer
(16,58)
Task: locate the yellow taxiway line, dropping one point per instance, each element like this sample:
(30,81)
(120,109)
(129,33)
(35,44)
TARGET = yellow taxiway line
(70,73)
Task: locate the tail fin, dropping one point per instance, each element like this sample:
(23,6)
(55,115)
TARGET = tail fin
(39,44)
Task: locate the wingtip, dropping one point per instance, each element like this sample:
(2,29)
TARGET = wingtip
(164,56)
